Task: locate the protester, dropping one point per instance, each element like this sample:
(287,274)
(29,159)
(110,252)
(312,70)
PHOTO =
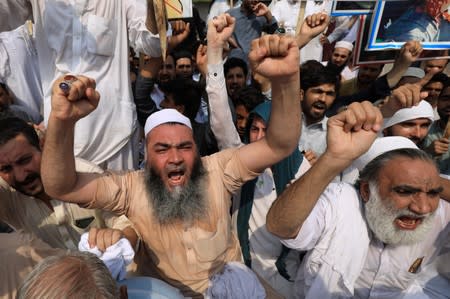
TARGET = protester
(168,203)
(394,218)
(26,204)
(92,38)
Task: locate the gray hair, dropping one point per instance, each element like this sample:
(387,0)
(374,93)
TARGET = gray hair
(69,275)
(371,171)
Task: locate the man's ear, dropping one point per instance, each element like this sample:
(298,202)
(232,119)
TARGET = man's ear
(364,190)
(302,94)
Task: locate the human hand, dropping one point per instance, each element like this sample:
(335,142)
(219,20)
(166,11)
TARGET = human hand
(312,26)
(103,237)
(220,29)
(438,147)
(405,96)
(275,57)
(76,101)
(180,31)
(260,9)
(409,53)
(324,39)
(352,132)
(201,59)
(310,156)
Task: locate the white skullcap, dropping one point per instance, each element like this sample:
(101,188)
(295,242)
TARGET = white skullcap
(345,45)
(165,116)
(423,110)
(382,145)
(414,72)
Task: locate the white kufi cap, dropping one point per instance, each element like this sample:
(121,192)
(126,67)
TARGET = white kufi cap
(345,45)
(380,146)
(423,110)
(165,116)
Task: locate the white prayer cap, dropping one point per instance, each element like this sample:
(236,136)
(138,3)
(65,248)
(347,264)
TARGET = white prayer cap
(345,45)
(414,72)
(382,145)
(423,110)
(165,116)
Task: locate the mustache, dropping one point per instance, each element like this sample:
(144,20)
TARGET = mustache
(30,178)
(176,168)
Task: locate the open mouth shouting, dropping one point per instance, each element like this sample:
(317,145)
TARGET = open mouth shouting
(319,106)
(408,222)
(176,176)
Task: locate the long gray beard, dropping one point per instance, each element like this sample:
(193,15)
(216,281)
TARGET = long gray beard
(185,203)
(381,216)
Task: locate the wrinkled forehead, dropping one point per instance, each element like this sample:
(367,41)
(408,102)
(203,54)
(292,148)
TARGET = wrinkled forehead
(170,133)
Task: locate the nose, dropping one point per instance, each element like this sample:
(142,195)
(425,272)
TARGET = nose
(175,157)
(421,204)
(20,174)
(261,134)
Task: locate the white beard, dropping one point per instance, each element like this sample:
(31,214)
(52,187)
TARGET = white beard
(381,214)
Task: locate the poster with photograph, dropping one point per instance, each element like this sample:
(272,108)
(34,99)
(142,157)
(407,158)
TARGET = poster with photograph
(178,9)
(363,56)
(395,22)
(345,8)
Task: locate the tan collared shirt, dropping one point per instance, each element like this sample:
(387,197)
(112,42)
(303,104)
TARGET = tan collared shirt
(61,227)
(185,256)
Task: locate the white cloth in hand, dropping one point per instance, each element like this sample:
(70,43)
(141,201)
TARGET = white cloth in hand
(236,281)
(116,257)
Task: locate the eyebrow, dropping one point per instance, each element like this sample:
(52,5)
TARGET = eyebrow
(177,145)
(415,190)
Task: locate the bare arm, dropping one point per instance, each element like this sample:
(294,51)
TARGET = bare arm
(277,58)
(312,26)
(408,54)
(350,134)
(58,164)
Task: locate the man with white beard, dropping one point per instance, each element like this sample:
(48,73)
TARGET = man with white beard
(383,238)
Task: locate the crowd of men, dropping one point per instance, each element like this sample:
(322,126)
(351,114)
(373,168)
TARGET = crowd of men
(230,168)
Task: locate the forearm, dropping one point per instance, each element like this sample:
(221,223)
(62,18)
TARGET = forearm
(58,162)
(284,128)
(396,73)
(293,206)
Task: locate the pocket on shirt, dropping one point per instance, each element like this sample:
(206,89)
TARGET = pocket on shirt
(210,248)
(101,36)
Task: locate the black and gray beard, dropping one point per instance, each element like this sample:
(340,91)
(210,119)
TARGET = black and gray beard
(184,203)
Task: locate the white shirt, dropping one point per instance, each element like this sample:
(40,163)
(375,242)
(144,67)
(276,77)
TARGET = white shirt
(314,136)
(19,70)
(286,13)
(91,38)
(344,257)
(265,247)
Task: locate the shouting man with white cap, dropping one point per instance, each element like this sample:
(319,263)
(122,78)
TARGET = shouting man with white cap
(382,239)
(180,204)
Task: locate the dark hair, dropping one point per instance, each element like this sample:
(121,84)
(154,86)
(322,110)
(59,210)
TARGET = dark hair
(372,169)
(181,54)
(313,73)
(235,62)
(3,85)
(11,127)
(185,92)
(249,97)
(440,77)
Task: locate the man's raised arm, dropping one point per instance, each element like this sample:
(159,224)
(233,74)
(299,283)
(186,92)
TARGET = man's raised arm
(58,164)
(350,134)
(276,58)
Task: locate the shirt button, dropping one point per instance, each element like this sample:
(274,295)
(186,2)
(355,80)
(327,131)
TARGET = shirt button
(215,74)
